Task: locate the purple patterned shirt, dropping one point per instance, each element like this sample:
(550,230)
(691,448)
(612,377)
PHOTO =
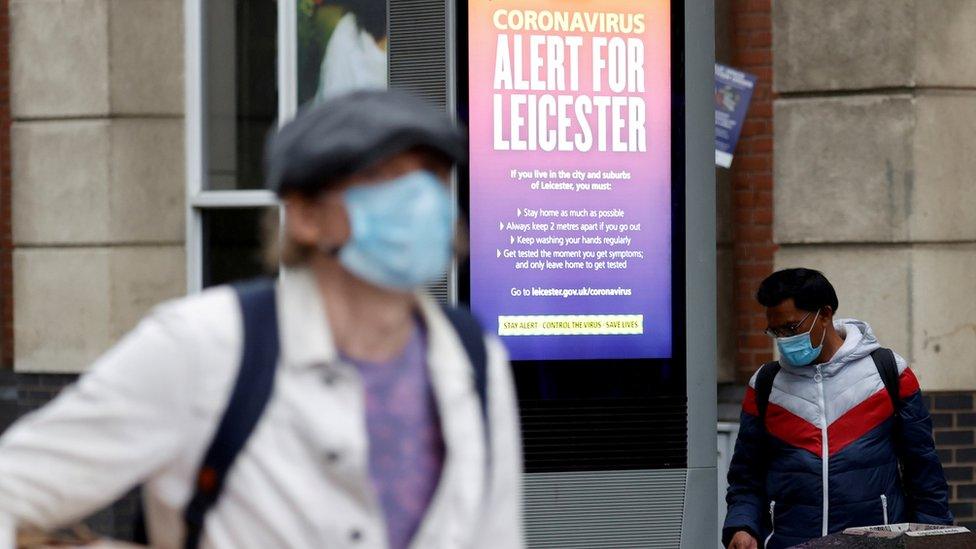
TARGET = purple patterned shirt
(406,450)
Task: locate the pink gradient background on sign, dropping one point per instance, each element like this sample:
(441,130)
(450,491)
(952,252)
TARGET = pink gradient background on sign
(646,198)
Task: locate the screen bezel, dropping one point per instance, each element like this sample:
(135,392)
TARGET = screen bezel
(600,379)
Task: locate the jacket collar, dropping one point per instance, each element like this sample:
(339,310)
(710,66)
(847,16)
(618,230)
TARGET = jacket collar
(304,332)
(303,329)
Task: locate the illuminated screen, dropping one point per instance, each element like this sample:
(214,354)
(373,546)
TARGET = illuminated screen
(569,110)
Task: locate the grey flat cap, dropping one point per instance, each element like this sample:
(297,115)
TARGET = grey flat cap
(337,138)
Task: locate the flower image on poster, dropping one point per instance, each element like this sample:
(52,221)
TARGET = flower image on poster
(342,46)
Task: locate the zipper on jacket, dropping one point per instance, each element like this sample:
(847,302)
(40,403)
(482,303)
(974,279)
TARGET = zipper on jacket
(825,448)
(772,522)
(884,508)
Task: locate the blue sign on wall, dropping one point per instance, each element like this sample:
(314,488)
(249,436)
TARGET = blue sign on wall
(733,90)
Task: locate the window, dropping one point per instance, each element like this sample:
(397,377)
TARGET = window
(232,242)
(250,64)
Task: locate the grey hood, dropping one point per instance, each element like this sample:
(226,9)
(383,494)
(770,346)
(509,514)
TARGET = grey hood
(859,342)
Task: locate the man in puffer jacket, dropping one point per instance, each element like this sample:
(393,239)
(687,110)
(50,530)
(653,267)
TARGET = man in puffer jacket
(826,454)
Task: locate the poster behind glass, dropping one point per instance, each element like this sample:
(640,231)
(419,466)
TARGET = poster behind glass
(342,46)
(571,176)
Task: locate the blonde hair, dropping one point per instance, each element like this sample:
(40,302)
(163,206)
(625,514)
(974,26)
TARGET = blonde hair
(277,248)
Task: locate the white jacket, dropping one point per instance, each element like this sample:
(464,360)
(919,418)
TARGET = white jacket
(148,409)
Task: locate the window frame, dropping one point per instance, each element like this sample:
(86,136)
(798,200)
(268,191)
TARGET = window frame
(198,199)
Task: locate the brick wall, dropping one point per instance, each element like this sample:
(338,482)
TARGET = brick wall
(954,418)
(752,184)
(6,240)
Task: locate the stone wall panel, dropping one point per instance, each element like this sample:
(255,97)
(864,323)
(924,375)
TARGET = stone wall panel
(843,168)
(147,200)
(946,43)
(943,194)
(61,181)
(105,181)
(831,45)
(73,304)
(843,45)
(944,316)
(146,49)
(876,168)
(59,61)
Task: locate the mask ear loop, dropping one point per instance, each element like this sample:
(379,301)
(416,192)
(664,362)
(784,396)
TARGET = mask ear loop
(824,336)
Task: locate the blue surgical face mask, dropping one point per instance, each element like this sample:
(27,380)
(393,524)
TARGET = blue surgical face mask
(402,231)
(798,350)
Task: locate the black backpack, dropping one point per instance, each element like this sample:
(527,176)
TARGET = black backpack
(884,361)
(254,386)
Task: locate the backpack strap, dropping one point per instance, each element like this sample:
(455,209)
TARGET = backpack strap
(764,387)
(251,393)
(473,340)
(884,361)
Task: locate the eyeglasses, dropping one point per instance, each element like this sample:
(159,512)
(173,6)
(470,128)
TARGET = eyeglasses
(787,330)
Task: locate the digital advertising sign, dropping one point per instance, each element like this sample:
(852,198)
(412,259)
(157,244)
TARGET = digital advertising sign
(570,177)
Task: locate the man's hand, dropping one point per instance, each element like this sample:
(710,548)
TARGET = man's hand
(743,540)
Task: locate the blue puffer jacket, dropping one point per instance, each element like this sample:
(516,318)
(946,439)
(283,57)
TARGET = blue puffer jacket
(828,457)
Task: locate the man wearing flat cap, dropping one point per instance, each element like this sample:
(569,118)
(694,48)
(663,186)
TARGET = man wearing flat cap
(338,406)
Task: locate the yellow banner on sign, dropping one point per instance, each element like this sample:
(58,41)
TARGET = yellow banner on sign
(555,325)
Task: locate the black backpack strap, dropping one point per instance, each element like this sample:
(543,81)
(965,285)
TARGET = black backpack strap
(884,361)
(139,534)
(764,386)
(473,339)
(252,390)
